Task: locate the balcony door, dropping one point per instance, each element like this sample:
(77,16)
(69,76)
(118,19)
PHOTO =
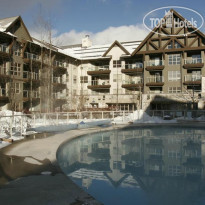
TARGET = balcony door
(157,61)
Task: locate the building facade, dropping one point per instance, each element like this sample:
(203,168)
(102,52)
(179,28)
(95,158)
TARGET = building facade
(164,71)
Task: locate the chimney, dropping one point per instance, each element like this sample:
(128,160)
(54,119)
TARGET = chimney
(86,42)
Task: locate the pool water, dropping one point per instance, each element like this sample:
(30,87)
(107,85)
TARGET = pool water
(150,165)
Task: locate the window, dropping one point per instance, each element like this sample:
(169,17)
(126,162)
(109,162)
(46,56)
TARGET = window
(174,154)
(74,79)
(174,90)
(15,69)
(174,170)
(84,79)
(117,64)
(174,59)
(170,46)
(177,45)
(174,75)
(15,87)
(17,50)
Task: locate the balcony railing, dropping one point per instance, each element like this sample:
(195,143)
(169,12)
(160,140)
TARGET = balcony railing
(155,63)
(59,96)
(3,48)
(98,82)
(192,78)
(59,80)
(155,79)
(193,61)
(60,64)
(133,66)
(3,92)
(99,68)
(33,94)
(31,56)
(133,82)
(30,75)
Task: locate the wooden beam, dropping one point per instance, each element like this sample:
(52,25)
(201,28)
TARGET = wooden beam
(167,43)
(179,31)
(24,48)
(193,41)
(173,50)
(153,45)
(165,31)
(179,42)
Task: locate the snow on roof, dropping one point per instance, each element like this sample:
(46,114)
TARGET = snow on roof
(131,46)
(92,52)
(5,23)
(97,51)
(88,53)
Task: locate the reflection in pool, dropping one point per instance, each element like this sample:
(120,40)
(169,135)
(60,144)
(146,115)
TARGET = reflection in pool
(156,165)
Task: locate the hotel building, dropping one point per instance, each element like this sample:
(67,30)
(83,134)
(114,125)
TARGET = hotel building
(163,71)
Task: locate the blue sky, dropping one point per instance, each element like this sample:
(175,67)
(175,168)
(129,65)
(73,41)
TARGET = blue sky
(90,16)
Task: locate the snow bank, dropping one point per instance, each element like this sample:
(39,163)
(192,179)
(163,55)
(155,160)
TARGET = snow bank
(140,116)
(19,123)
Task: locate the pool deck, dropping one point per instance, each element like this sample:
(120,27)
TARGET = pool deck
(22,164)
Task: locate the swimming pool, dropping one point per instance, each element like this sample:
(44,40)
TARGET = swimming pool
(148,165)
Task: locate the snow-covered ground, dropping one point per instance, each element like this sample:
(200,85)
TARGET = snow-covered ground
(20,125)
(139,116)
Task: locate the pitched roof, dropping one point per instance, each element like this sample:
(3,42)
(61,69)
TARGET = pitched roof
(114,44)
(97,51)
(154,29)
(6,23)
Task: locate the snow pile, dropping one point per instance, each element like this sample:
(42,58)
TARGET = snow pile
(63,125)
(140,116)
(18,122)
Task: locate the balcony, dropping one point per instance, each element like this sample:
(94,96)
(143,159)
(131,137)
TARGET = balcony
(133,69)
(155,81)
(59,83)
(192,80)
(99,85)
(30,57)
(27,95)
(4,74)
(60,67)
(4,97)
(193,63)
(154,65)
(30,75)
(99,70)
(4,51)
(133,84)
